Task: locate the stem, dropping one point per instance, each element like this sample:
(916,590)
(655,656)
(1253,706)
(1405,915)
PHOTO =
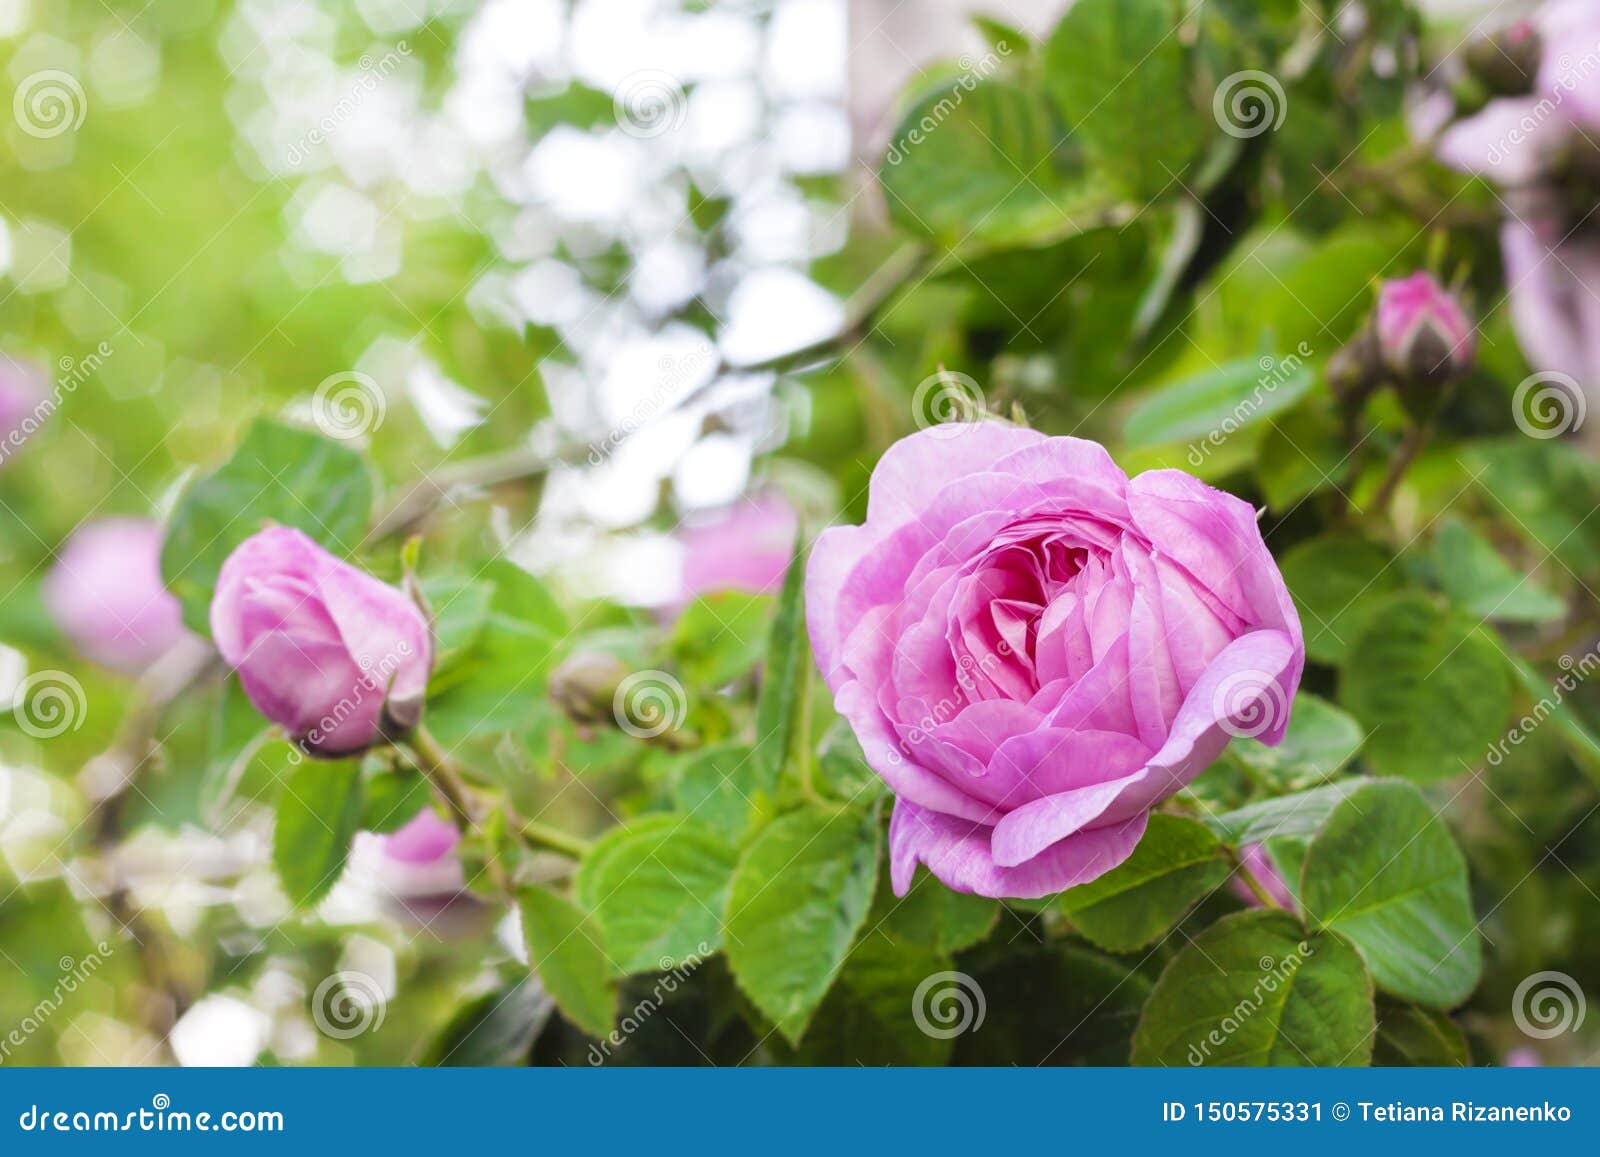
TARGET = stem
(440,770)
(555,839)
(1416,437)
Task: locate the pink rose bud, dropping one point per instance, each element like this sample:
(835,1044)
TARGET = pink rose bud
(336,658)
(1035,650)
(1423,335)
(105,593)
(1254,859)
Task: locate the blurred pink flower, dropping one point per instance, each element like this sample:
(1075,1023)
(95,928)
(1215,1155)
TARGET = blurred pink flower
(1522,143)
(1259,864)
(21,391)
(744,548)
(105,593)
(1522,1058)
(417,861)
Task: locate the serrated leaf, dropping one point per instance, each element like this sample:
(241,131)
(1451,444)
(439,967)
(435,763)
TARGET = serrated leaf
(1418,1037)
(1484,585)
(1115,70)
(1176,863)
(1385,873)
(799,895)
(1300,814)
(567,950)
(933,916)
(1320,740)
(1337,581)
(1431,687)
(1216,404)
(659,894)
(278,474)
(1256,989)
(392,799)
(318,814)
(977,161)
(726,788)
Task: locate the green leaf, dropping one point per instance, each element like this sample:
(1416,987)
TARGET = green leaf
(1300,454)
(460,608)
(933,916)
(1300,814)
(278,474)
(726,788)
(1116,72)
(720,636)
(392,799)
(1480,582)
(976,161)
(785,695)
(1320,740)
(1386,874)
(524,636)
(1177,862)
(1546,491)
(567,951)
(1213,406)
(319,810)
(800,893)
(1336,582)
(1430,685)
(1550,701)
(659,893)
(498,1028)
(843,769)
(1256,989)
(1422,1037)
(871,1016)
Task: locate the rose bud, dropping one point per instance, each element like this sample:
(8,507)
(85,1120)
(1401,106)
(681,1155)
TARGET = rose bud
(1424,337)
(585,684)
(336,658)
(105,593)
(1035,650)
(1507,62)
(1253,858)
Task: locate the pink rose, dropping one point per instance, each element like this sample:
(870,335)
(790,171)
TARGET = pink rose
(331,654)
(1034,650)
(745,548)
(105,593)
(1423,334)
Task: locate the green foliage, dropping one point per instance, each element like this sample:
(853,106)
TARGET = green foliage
(567,951)
(319,809)
(1256,989)
(1336,583)
(278,475)
(799,896)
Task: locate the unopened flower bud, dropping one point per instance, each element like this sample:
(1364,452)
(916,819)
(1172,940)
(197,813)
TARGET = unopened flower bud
(1424,338)
(584,685)
(1506,62)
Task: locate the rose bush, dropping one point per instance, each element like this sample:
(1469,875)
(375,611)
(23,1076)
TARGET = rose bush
(1034,649)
